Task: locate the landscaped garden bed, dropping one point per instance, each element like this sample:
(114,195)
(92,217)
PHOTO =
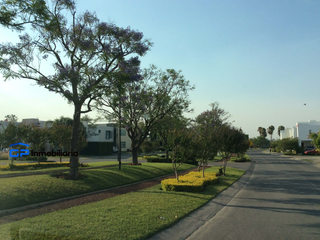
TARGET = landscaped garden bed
(136,215)
(35,166)
(21,191)
(191,182)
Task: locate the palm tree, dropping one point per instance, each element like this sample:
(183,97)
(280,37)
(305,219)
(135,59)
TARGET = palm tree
(270,131)
(279,129)
(260,130)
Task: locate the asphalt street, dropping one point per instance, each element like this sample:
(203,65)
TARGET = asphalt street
(281,200)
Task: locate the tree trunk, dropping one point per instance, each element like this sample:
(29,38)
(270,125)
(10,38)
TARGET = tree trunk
(224,166)
(203,169)
(74,160)
(134,152)
(167,156)
(177,176)
(199,166)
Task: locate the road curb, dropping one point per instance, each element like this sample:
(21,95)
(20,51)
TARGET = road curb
(195,220)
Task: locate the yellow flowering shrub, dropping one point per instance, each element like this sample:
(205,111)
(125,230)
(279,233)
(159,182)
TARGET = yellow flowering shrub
(191,182)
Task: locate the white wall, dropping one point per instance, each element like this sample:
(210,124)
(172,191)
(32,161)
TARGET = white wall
(301,130)
(100,133)
(305,128)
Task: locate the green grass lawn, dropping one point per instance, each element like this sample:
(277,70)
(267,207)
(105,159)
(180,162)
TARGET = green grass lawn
(21,191)
(93,164)
(136,215)
(307,160)
(232,159)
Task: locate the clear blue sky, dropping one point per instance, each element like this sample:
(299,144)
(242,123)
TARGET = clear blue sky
(258,59)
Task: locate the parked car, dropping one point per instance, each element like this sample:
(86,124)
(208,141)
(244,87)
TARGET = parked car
(309,148)
(314,151)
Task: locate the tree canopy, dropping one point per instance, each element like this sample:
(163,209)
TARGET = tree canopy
(279,129)
(85,56)
(141,105)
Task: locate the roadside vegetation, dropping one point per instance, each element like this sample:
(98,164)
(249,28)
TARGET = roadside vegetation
(136,215)
(245,158)
(21,191)
(29,168)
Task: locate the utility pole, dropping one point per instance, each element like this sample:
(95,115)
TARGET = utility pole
(119,129)
(119,139)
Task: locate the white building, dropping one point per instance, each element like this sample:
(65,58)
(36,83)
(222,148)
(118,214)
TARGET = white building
(104,132)
(302,130)
(107,132)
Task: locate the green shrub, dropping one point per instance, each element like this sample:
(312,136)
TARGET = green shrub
(29,166)
(34,158)
(4,156)
(34,166)
(241,160)
(191,182)
(147,146)
(98,149)
(156,159)
(289,153)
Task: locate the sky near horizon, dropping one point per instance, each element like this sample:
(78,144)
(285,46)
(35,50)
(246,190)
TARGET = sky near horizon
(258,59)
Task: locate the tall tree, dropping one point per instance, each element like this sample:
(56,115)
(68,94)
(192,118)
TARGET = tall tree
(16,14)
(14,134)
(60,136)
(230,140)
(83,54)
(260,141)
(315,139)
(165,126)
(140,105)
(270,132)
(182,142)
(207,126)
(38,138)
(11,118)
(279,129)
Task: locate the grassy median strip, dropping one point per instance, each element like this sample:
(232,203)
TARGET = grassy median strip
(135,215)
(31,170)
(21,191)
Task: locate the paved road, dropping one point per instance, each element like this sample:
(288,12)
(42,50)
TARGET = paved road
(280,201)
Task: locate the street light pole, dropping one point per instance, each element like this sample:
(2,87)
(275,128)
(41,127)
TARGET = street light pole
(119,140)
(119,130)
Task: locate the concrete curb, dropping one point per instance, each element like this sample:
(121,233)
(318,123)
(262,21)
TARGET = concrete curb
(42,204)
(189,224)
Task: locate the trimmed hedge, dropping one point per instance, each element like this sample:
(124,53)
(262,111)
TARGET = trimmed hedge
(98,148)
(26,166)
(162,159)
(191,182)
(34,158)
(156,159)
